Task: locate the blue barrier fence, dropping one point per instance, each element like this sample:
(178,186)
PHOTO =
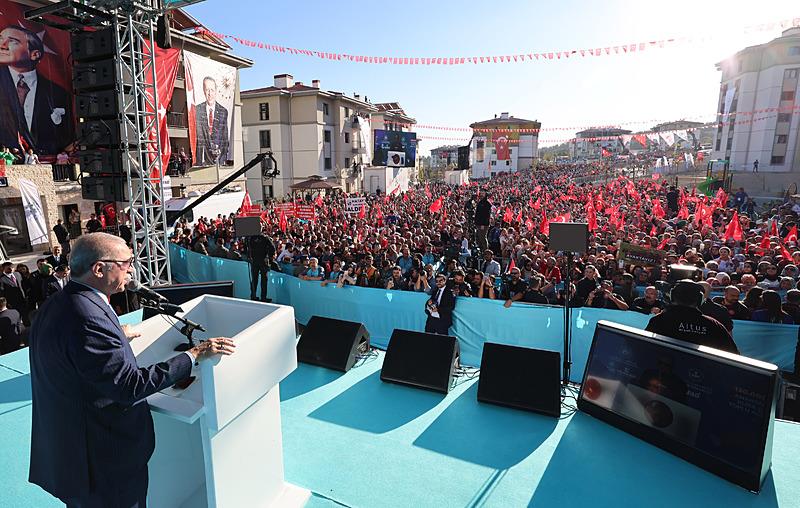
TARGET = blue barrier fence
(475,321)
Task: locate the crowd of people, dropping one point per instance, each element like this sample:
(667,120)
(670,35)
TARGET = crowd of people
(490,240)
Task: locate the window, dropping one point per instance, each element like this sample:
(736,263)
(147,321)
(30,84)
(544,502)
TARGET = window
(263,111)
(264,139)
(347,162)
(327,163)
(493,163)
(347,112)
(719,142)
(327,136)
(729,144)
(784,117)
(794,50)
(325,109)
(777,159)
(787,96)
(790,74)
(346,137)
(782,139)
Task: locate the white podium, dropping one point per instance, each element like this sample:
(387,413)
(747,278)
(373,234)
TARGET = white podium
(218,442)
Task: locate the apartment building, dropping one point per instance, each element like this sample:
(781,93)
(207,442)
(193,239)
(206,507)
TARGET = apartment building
(503,143)
(590,143)
(312,132)
(758,114)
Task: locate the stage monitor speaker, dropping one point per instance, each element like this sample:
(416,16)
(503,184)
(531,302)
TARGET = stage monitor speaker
(247,226)
(332,343)
(569,236)
(789,401)
(521,377)
(423,360)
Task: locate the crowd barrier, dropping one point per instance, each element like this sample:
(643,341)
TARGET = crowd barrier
(475,321)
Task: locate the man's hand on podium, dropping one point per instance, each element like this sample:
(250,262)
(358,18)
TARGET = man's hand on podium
(130,333)
(211,347)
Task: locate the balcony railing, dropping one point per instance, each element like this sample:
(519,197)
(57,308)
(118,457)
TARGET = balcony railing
(176,119)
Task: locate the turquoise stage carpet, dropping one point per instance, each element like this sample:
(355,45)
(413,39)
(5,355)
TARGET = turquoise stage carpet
(355,441)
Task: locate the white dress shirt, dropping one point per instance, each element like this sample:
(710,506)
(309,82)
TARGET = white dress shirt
(31,80)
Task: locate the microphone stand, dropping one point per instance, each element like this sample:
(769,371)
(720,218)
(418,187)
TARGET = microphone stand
(188,327)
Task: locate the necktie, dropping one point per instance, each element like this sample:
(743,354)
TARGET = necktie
(22,90)
(210,119)
(439,297)
(13,279)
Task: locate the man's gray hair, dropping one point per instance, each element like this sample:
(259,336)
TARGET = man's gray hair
(90,248)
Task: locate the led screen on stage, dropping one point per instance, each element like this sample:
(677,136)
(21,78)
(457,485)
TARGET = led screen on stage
(394,141)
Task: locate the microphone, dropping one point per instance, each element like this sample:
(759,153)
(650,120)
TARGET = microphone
(145,292)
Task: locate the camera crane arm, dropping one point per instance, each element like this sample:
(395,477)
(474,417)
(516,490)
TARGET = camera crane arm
(271,171)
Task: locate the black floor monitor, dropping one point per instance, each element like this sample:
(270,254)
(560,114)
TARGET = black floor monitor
(332,343)
(423,360)
(521,378)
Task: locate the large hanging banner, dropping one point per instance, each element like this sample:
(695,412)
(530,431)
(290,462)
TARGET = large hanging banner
(166,65)
(34,213)
(36,101)
(210,87)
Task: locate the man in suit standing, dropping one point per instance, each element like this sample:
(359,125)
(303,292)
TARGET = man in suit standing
(439,307)
(10,328)
(35,108)
(85,377)
(11,287)
(62,235)
(57,281)
(211,128)
(57,258)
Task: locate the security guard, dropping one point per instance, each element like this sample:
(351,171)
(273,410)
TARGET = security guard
(262,254)
(683,320)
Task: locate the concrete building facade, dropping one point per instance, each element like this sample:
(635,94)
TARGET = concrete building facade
(758,113)
(521,136)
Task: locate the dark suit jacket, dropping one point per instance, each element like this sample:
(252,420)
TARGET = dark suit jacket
(44,135)
(51,286)
(445,307)
(14,294)
(207,138)
(63,259)
(10,330)
(85,382)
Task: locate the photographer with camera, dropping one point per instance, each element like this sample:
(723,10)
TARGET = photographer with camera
(514,288)
(486,287)
(348,276)
(417,281)
(602,297)
(396,280)
(459,285)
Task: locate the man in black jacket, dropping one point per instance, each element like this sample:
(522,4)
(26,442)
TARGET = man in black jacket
(439,307)
(715,310)
(683,320)
(58,258)
(10,328)
(62,235)
(483,211)
(262,254)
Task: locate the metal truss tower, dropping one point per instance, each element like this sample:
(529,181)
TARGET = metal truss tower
(133,24)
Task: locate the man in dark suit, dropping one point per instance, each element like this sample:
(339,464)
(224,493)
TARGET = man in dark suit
(56,282)
(439,307)
(36,296)
(62,235)
(92,432)
(11,287)
(211,127)
(10,328)
(57,258)
(35,108)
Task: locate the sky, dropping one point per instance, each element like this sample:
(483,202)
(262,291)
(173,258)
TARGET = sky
(635,91)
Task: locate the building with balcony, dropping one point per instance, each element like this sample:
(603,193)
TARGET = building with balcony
(312,132)
(444,156)
(757,111)
(590,143)
(502,144)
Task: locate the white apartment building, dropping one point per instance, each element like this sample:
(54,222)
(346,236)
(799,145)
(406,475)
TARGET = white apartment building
(521,137)
(312,133)
(758,78)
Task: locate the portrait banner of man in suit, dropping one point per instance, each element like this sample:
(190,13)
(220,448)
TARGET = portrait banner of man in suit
(210,89)
(36,100)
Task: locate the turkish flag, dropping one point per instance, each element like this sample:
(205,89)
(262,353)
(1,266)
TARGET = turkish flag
(501,147)
(166,70)
(791,236)
(519,217)
(512,264)
(657,210)
(508,216)
(774,228)
(544,227)
(283,223)
(436,205)
(765,241)
(427,192)
(785,253)
(318,201)
(529,224)
(246,204)
(734,229)
(362,212)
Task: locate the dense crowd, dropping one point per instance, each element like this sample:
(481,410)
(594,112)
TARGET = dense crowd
(491,240)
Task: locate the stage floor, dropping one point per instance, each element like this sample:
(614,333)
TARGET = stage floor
(355,441)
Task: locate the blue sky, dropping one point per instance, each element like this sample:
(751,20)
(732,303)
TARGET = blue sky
(656,85)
